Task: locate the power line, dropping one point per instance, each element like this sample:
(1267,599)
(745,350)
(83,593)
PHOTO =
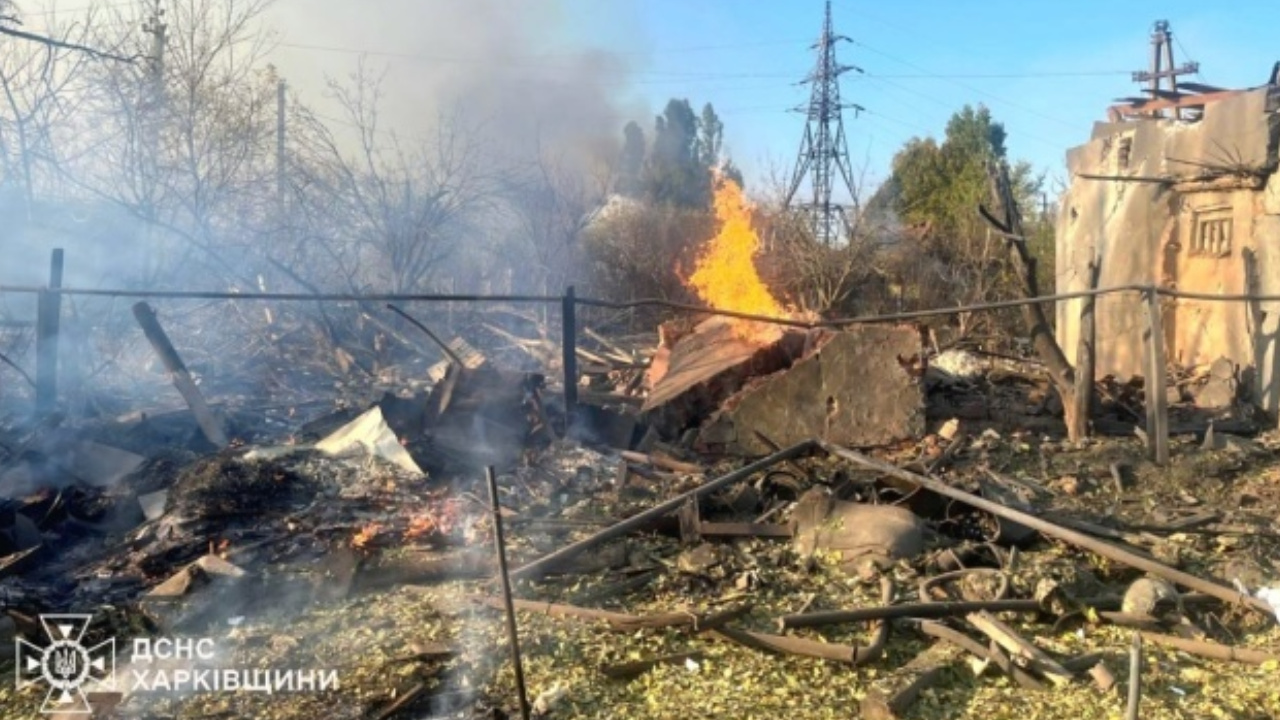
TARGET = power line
(971,88)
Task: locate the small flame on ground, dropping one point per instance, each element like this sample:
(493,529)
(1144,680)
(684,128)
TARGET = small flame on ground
(420,525)
(366,535)
(725,275)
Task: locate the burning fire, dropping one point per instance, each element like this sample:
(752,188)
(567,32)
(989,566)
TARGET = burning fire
(420,525)
(725,275)
(366,535)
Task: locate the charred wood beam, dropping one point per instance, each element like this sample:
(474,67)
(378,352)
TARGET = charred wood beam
(990,654)
(1019,647)
(48,318)
(210,424)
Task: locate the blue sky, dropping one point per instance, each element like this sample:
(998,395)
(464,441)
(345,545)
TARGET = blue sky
(923,59)
(1047,70)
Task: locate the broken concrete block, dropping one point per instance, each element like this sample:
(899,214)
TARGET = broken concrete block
(1221,388)
(372,434)
(707,365)
(858,388)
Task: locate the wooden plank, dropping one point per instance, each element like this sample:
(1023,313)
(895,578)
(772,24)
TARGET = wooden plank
(48,317)
(209,423)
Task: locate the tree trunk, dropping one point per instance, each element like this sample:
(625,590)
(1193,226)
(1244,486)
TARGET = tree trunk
(1074,385)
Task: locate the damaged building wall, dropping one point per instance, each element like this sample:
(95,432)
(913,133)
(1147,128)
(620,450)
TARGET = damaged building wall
(1165,224)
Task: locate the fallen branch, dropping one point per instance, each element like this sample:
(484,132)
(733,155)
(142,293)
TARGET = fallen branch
(401,702)
(1007,638)
(1107,550)
(628,670)
(752,530)
(964,642)
(557,558)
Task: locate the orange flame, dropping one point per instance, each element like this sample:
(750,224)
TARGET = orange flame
(725,275)
(366,535)
(420,525)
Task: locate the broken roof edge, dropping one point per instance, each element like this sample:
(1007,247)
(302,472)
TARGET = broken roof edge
(1237,135)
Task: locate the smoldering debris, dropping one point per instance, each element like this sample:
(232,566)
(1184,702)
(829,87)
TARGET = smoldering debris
(684,570)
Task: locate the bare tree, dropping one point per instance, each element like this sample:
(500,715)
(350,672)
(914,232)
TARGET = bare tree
(391,210)
(42,94)
(552,201)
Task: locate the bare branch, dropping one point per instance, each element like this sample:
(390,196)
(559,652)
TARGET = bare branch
(54,43)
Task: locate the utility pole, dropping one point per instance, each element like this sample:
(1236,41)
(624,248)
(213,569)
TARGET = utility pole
(151,116)
(824,153)
(280,155)
(1162,67)
(157,29)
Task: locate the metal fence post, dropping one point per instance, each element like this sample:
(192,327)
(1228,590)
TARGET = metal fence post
(569,327)
(48,315)
(1157,400)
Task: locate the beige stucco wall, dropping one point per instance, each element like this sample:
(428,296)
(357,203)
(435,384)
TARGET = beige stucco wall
(1145,233)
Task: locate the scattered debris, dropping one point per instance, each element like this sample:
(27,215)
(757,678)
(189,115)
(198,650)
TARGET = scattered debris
(648,551)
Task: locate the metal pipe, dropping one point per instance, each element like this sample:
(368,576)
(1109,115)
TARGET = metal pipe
(616,530)
(513,634)
(1078,539)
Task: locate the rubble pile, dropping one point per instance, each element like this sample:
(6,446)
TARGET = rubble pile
(809,520)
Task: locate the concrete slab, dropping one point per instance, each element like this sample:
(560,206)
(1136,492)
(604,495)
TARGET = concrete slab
(709,365)
(859,388)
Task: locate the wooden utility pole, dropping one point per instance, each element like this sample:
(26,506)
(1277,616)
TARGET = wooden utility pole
(280,136)
(1162,68)
(157,29)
